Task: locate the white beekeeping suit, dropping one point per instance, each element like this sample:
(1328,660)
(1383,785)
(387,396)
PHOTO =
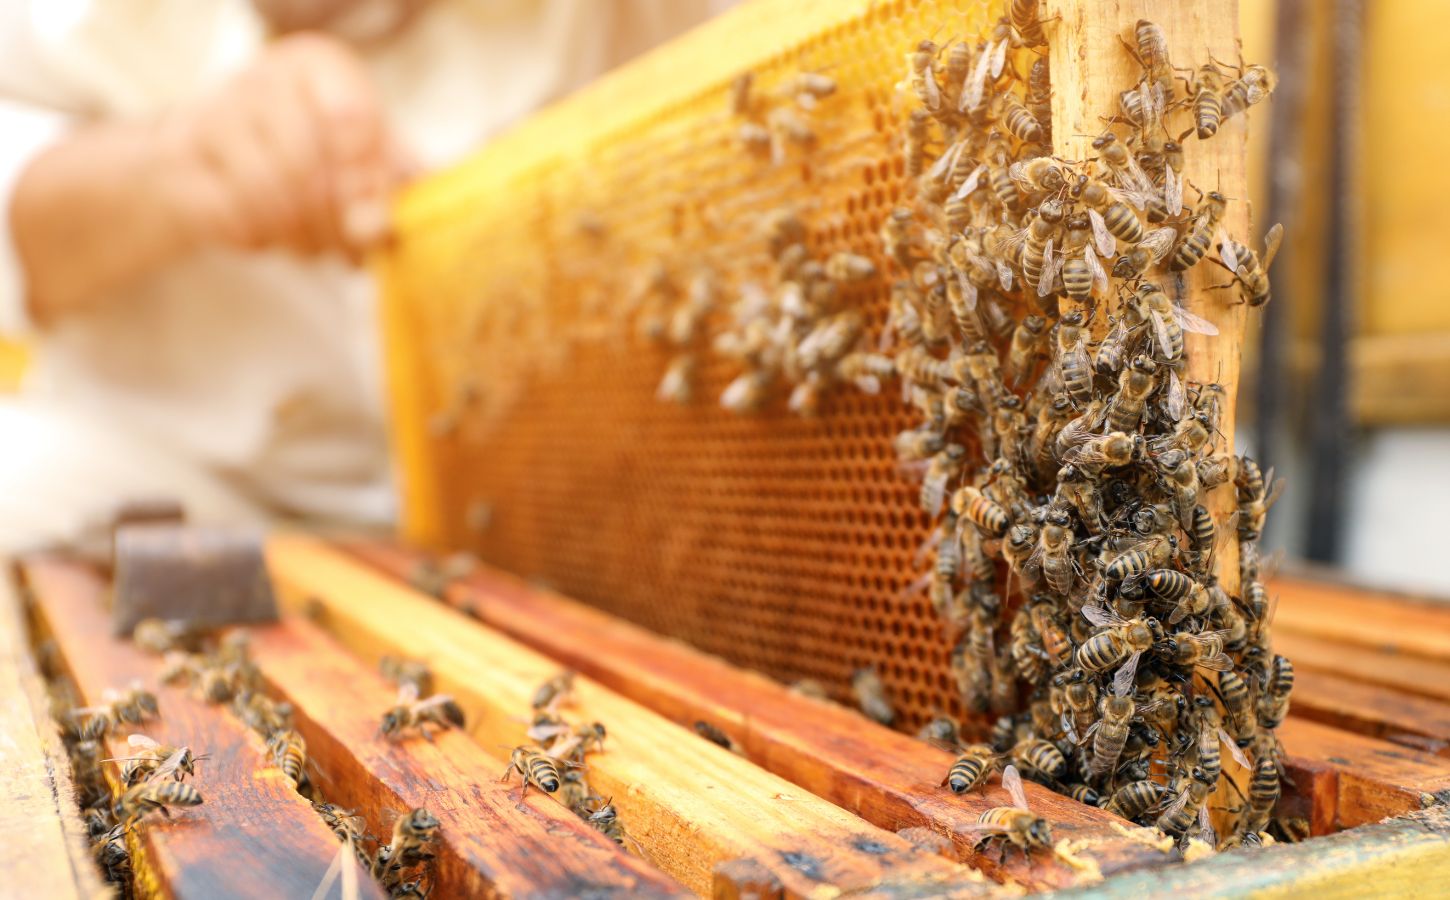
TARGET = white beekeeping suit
(245,384)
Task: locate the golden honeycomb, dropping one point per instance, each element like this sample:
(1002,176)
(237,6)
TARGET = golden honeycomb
(523,397)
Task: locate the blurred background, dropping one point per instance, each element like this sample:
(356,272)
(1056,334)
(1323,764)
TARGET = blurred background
(1347,380)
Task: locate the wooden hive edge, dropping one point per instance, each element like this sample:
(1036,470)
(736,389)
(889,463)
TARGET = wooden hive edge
(1404,856)
(887,778)
(690,805)
(43,849)
(253,835)
(487,845)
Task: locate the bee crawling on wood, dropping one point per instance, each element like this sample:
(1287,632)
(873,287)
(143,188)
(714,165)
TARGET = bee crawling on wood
(871,695)
(534,767)
(410,712)
(400,671)
(155,761)
(1017,824)
(149,796)
(555,692)
(411,845)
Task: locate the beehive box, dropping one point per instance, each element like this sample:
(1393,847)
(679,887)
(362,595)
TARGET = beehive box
(529,433)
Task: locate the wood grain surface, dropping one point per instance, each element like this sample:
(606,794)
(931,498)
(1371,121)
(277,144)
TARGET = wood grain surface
(488,844)
(254,836)
(689,803)
(885,777)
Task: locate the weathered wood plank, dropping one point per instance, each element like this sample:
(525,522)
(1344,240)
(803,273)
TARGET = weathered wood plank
(1404,857)
(487,844)
(43,849)
(1372,779)
(254,836)
(1418,722)
(1362,618)
(1392,669)
(689,803)
(889,779)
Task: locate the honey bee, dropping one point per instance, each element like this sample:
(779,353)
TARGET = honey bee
(1109,216)
(740,94)
(1214,471)
(1113,350)
(1017,824)
(1039,93)
(968,504)
(945,465)
(1151,552)
(1020,121)
(410,712)
(158,795)
(1081,270)
(871,696)
(342,822)
(1134,798)
(1145,254)
(1256,493)
(1194,242)
(918,134)
(1122,642)
(411,842)
(921,74)
(155,761)
(1137,381)
(1153,51)
(1097,453)
(755,138)
(289,753)
(1040,756)
(1026,349)
(1110,733)
(1253,85)
(399,671)
(1168,320)
(1238,702)
(677,384)
(1208,88)
(809,87)
(919,366)
(1263,792)
(1185,810)
(1055,642)
(1198,649)
(160,636)
(990,62)
(1037,242)
(1083,794)
(1122,166)
(1053,552)
(536,768)
(919,443)
(1025,23)
(940,731)
(1274,701)
(1251,275)
(971,769)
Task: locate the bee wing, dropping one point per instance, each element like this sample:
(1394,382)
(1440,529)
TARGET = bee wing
(933,90)
(169,766)
(1100,277)
(999,59)
(142,742)
(1004,274)
(934,490)
(561,749)
(1158,242)
(1070,729)
(1160,329)
(1107,245)
(1218,662)
(1051,265)
(1178,803)
(1176,398)
(976,84)
(1191,322)
(1123,678)
(1276,489)
(946,161)
(969,290)
(1228,251)
(1205,827)
(1101,615)
(1234,749)
(1012,782)
(407,693)
(1172,191)
(984,828)
(970,183)
(1271,245)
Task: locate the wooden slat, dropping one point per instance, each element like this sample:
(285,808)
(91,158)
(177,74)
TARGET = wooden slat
(254,836)
(1362,618)
(487,845)
(1358,779)
(885,777)
(1386,668)
(1417,722)
(42,848)
(1404,857)
(690,804)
